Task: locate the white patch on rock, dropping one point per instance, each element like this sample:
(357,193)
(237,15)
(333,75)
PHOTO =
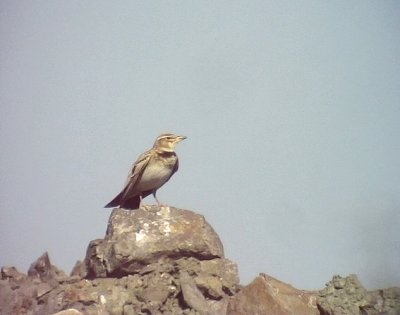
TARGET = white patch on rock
(141,235)
(165,212)
(166,228)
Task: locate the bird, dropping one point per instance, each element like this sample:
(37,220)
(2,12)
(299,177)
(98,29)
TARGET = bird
(151,170)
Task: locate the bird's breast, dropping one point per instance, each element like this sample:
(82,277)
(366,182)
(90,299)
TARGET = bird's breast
(156,173)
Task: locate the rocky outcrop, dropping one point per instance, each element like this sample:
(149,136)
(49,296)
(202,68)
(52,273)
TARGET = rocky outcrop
(23,294)
(135,239)
(347,296)
(170,261)
(151,261)
(266,295)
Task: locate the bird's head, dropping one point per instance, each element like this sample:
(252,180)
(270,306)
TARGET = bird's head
(167,141)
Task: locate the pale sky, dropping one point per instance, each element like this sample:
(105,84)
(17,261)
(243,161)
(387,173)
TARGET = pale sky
(291,109)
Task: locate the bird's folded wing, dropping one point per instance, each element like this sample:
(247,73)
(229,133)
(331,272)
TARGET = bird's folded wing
(136,173)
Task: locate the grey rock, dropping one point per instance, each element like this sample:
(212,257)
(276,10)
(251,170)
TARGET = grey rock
(11,273)
(70,311)
(210,284)
(79,270)
(170,261)
(346,296)
(192,295)
(194,298)
(135,270)
(215,278)
(137,238)
(42,269)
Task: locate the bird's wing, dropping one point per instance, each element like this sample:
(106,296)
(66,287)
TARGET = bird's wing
(135,174)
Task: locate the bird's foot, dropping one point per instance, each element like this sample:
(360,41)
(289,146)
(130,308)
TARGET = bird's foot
(161,205)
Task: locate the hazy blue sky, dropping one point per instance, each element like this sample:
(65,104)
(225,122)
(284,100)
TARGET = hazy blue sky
(291,109)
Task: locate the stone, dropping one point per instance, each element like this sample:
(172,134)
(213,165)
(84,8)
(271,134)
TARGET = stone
(209,284)
(346,296)
(45,271)
(170,261)
(223,269)
(266,295)
(215,277)
(79,270)
(137,238)
(70,311)
(192,295)
(11,273)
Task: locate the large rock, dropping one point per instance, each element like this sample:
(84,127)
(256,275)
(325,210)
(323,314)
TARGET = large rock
(170,261)
(268,296)
(346,296)
(137,238)
(151,261)
(69,311)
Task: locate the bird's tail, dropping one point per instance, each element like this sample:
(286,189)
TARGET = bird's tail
(132,203)
(128,204)
(115,202)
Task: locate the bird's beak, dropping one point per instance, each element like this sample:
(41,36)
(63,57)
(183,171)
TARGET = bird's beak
(180,138)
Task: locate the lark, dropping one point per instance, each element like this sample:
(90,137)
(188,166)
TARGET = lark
(150,171)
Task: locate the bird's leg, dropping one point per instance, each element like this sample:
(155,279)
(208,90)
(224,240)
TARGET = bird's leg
(155,197)
(158,202)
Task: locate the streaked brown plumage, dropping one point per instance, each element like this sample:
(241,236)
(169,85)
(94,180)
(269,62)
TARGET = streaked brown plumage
(150,171)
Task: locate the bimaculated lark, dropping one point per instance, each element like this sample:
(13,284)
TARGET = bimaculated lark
(150,171)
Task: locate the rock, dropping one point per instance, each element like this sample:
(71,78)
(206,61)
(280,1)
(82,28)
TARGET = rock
(29,293)
(11,273)
(195,299)
(136,269)
(137,238)
(224,270)
(266,295)
(209,284)
(343,295)
(215,278)
(170,261)
(347,296)
(70,311)
(192,295)
(45,271)
(79,270)
(387,300)
(17,295)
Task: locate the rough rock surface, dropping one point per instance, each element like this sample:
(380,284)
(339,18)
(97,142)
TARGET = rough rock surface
(170,261)
(151,261)
(266,295)
(135,239)
(346,296)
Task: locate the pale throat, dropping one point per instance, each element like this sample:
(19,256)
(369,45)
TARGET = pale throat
(166,147)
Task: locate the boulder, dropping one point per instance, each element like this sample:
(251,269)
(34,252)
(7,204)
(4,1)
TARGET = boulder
(151,261)
(137,238)
(69,311)
(269,296)
(346,296)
